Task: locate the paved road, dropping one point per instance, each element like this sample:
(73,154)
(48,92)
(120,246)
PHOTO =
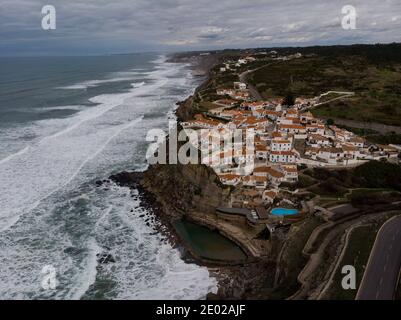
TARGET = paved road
(252,90)
(380,279)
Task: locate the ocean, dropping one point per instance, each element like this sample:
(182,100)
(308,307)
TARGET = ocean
(66,122)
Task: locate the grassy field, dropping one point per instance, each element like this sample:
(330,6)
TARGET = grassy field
(357,255)
(374,136)
(360,243)
(391,138)
(375,81)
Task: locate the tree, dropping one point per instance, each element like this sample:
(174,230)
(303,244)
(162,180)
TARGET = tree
(329,122)
(289,99)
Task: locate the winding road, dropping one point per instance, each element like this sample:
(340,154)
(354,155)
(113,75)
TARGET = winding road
(252,90)
(381,276)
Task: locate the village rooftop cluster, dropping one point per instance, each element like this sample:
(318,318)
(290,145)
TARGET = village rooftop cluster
(285,138)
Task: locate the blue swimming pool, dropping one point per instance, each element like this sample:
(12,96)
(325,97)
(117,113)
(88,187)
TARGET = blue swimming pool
(283,212)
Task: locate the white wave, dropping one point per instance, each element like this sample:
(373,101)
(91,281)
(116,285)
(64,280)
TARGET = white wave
(75,107)
(95,83)
(40,170)
(11,156)
(147,267)
(40,215)
(25,180)
(137,85)
(24,186)
(86,278)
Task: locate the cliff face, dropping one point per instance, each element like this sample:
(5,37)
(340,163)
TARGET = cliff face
(182,188)
(185,111)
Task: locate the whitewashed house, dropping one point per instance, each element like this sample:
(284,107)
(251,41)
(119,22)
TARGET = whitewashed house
(283,156)
(280,145)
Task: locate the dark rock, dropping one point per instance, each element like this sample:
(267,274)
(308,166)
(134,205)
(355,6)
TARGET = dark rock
(104,258)
(127,179)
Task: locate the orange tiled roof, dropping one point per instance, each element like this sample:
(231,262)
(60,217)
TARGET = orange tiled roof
(283,153)
(292,126)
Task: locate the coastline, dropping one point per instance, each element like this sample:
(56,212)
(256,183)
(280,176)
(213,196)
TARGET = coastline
(235,280)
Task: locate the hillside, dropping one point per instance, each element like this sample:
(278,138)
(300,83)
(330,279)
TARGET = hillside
(373,72)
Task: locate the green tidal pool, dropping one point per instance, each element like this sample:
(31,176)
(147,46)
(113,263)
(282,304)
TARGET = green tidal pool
(208,243)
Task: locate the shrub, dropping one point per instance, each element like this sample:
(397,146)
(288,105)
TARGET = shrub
(378,174)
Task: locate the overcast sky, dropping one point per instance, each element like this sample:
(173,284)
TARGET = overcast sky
(105,26)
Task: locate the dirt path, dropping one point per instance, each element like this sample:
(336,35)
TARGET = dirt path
(305,277)
(343,95)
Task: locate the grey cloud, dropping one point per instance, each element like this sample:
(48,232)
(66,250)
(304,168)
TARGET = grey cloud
(140,25)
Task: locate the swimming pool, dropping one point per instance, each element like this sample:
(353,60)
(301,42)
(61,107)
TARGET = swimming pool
(283,212)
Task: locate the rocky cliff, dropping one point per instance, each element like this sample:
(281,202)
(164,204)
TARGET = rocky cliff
(185,111)
(182,188)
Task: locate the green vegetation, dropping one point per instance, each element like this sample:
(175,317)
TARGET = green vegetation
(373,174)
(358,131)
(289,99)
(304,181)
(372,72)
(292,259)
(357,255)
(331,187)
(330,96)
(369,197)
(206,105)
(390,138)
(373,183)
(378,174)
(374,136)
(329,122)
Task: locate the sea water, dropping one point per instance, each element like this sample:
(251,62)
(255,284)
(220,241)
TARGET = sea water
(66,122)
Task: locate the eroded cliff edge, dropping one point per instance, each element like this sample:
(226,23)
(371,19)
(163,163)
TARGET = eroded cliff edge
(194,192)
(184,188)
(175,191)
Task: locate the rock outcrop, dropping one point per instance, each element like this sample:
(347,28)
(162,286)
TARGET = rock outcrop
(182,188)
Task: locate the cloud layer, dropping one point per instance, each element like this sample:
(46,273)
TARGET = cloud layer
(100,26)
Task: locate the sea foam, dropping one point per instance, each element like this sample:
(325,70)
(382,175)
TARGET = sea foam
(53,214)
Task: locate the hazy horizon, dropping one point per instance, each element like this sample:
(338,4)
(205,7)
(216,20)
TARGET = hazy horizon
(185,51)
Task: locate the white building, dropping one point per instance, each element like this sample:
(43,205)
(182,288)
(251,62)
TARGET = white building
(240,85)
(283,156)
(230,179)
(280,145)
(269,196)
